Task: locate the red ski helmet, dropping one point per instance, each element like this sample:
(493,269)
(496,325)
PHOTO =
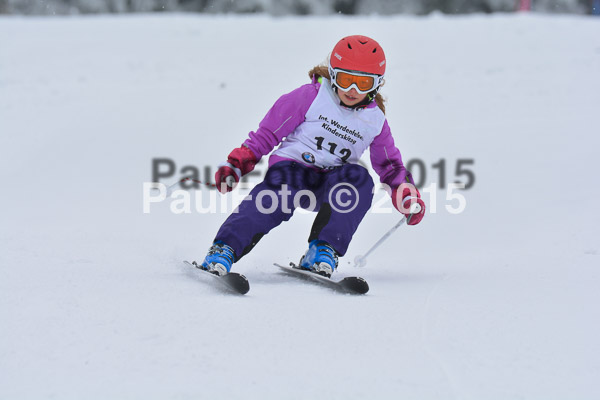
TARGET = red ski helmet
(358,53)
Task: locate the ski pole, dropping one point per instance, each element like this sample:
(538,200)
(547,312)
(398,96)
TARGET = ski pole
(361,261)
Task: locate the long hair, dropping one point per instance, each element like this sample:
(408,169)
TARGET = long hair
(323,71)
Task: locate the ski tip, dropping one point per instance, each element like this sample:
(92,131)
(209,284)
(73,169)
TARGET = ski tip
(238,282)
(232,281)
(355,285)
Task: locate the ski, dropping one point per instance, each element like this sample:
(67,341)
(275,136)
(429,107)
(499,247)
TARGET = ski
(351,284)
(232,281)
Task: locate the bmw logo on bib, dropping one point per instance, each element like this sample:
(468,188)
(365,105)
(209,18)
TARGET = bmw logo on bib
(308,157)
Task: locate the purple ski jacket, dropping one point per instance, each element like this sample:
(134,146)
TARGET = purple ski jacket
(289,112)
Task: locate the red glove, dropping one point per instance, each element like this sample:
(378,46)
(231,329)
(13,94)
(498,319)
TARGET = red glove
(239,162)
(403,198)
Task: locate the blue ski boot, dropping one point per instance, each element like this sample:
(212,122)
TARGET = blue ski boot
(218,260)
(320,258)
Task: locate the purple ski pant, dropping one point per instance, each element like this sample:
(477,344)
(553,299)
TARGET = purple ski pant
(341,196)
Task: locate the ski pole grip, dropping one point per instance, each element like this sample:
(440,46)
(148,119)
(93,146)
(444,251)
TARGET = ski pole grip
(415,208)
(230,181)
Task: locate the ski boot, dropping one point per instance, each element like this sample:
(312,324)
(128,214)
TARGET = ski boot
(320,258)
(218,260)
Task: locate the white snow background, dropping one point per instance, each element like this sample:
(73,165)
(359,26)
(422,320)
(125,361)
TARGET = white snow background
(498,302)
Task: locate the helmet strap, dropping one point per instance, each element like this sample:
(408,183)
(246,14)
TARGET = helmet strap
(363,104)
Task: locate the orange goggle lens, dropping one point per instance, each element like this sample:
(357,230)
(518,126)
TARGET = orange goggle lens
(345,80)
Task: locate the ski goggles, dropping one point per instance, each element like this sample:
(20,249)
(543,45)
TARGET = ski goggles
(363,83)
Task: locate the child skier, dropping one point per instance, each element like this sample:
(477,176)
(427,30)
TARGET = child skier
(327,125)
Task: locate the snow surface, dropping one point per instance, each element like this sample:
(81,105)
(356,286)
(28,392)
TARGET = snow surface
(498,302)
